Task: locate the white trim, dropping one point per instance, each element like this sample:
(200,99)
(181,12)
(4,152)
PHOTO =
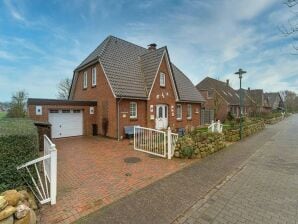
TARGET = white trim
(179,118)
(93,76)
(107,78)
(189,106)
(85,80)
(162,77)
(136,104)
(171,76)
(156,75)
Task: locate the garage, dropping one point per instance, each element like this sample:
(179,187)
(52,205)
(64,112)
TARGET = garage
(66,122)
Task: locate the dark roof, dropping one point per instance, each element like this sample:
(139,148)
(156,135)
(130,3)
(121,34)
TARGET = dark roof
(225,91)
(275,100)
(38,101)
(131,69)
(259,97)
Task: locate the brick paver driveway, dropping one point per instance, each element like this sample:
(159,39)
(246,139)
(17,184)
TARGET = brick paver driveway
(92,173)
(264,191)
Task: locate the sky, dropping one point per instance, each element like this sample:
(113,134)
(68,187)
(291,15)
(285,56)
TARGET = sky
(41,42)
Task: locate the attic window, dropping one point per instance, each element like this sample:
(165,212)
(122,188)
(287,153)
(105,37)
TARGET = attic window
(85,80)
(162,79)
(94,76)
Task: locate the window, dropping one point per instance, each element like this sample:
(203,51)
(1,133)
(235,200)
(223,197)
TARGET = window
(38,110)
(189,111)
(179,111)
(54,111)
(133,110)
(94,76)
(85,81)
(162,79)
(65,111)
(76,111)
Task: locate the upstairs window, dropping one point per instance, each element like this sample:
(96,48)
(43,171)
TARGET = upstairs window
(85,80)
(189,111)
(133,110)
(162,79)
(94,76)
(179,111)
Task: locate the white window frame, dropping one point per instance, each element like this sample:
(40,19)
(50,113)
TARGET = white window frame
(179,117)
(189,111)
(130,110)
(94,76)
(162,79)
(85,80)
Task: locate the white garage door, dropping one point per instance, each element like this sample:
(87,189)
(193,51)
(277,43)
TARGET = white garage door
(66,123)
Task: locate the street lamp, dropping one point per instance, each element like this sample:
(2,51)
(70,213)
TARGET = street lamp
(240,73)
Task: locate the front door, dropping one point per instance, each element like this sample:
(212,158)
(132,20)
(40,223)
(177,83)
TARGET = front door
(161,121)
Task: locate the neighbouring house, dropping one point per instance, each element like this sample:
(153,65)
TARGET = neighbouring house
(275,101)
(222,98)
(262,101)
(121,84)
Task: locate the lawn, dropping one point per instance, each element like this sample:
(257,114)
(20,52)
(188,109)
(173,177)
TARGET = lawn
(2,115)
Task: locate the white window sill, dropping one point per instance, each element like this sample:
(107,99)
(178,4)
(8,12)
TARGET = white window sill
(179,119)
(189,118)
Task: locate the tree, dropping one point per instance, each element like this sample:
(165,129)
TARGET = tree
(18,105)
(291,29)
(218,101)
(291,101)
(64,88)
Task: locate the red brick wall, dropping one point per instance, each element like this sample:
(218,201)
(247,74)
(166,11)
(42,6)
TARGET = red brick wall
(102,93)
(88,118)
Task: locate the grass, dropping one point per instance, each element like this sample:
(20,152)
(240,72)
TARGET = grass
(2,115)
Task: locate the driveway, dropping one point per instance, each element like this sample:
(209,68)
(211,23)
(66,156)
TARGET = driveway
(92,173)
(170,198)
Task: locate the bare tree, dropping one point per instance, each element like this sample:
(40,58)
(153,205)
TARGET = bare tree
(291,28)
(64,88)
(17,107)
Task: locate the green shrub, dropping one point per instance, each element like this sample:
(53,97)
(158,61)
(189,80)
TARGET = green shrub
(18,145)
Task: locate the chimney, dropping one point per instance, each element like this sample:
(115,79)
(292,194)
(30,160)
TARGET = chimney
(228,82)
(152,46)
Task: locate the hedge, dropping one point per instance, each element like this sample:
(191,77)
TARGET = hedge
(18,145)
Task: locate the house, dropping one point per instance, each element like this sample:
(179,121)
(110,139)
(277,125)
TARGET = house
(275,101)
(121,84)
(262,101)
(221,97)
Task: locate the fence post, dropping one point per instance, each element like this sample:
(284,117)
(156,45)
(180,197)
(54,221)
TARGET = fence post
(53,184)
(134,137)
(169,132)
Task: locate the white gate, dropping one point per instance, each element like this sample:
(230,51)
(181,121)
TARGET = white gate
(155,142)
(44,188)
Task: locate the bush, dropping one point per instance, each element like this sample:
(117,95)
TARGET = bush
(18,145)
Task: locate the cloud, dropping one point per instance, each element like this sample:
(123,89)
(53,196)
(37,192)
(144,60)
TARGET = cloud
(15,13)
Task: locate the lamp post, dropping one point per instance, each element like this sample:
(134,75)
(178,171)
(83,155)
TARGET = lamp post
(240,73)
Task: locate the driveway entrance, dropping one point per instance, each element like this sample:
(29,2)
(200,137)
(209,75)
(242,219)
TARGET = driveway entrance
(95,171)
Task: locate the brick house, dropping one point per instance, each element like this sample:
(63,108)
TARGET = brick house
(276,102)
(222,98)
(121,84)
(262,101)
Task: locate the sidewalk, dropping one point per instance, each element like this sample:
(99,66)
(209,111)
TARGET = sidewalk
(264,191)
(165,200)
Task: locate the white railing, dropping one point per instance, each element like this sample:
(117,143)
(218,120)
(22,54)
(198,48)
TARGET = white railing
(150,140)
(155,142)
(44,189)
(215,127)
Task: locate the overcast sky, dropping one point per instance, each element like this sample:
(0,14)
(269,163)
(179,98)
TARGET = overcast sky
(41,42)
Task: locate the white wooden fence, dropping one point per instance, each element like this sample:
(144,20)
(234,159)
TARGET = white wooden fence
(215,127)
(155,142)
(43,173)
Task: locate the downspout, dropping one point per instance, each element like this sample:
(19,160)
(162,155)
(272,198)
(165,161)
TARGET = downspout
(118,119)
